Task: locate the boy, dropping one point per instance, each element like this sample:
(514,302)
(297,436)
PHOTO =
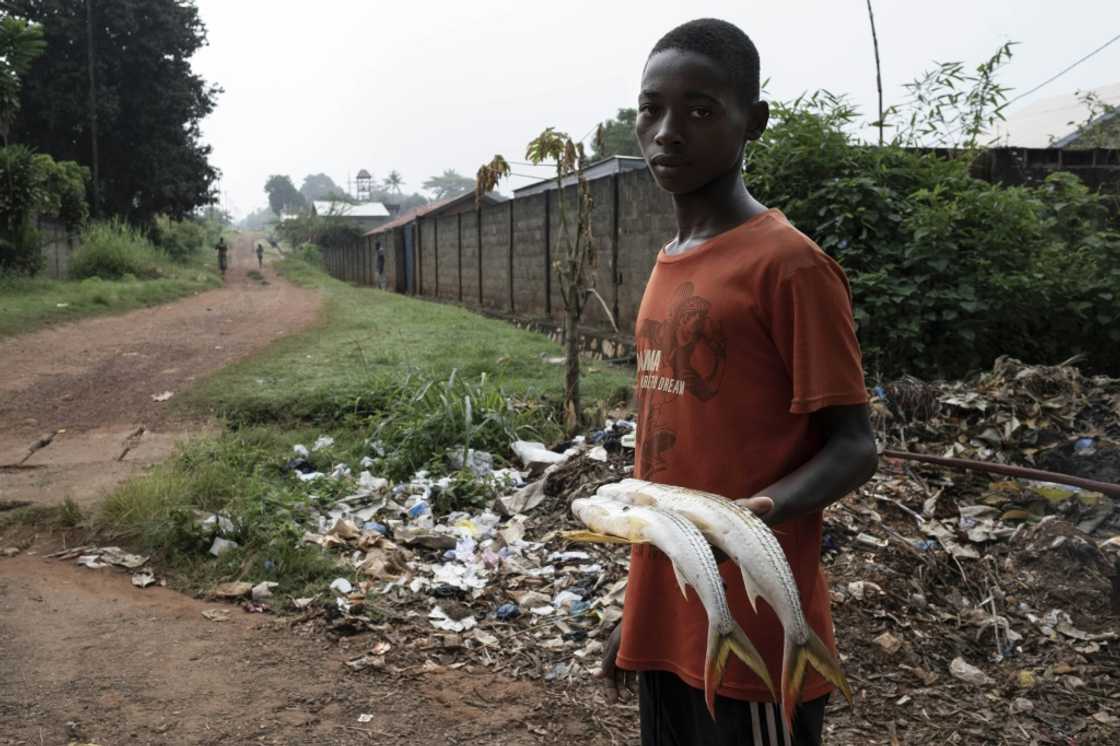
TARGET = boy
(750,386)
(260,255)
(223,253)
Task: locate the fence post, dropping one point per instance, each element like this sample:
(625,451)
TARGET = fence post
(478,236)
(459,230)
(616,274)
(510,257)
(548,252)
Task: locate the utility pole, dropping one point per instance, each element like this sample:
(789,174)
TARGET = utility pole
(92,108)
(878,73)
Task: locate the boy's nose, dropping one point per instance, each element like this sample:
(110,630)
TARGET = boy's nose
(667,132)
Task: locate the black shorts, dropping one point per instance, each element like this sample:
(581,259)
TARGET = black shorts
(675,714)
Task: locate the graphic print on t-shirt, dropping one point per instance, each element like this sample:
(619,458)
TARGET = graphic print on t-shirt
(684,354)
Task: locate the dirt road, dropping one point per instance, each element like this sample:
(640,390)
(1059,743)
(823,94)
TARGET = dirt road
(132,666)
(90,387)
(145,667)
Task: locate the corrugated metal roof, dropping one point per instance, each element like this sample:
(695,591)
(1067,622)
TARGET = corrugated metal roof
(614,164)
(1051,122)
(418,212)
(365,210)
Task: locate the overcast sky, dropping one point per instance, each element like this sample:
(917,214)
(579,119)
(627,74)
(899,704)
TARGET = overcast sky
(340,85)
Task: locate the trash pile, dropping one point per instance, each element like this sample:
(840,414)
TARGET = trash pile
(95,558)
(495,582)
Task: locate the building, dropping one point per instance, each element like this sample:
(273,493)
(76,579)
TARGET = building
(615,164)
(363,216)
(399,237)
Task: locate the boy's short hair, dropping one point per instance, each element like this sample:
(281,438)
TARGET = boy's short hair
(723,42)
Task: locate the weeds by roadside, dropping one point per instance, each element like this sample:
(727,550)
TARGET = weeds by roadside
(367,337)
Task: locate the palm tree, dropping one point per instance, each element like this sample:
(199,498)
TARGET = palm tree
(394,181)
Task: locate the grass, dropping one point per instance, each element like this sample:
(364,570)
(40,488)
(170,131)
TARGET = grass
(240,475)
(29,303)
(368,335)
(418,378)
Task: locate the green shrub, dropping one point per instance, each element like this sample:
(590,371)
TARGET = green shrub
(310,253)
(20,198)
(947,271)
(112,250)
(423,419)
(179,239)
(35,186)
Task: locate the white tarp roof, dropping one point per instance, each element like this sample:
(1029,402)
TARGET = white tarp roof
(1035,124)
(365,210)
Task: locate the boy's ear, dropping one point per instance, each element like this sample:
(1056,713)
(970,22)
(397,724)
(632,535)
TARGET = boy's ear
(758,115)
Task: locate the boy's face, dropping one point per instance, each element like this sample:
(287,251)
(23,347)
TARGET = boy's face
(692,125)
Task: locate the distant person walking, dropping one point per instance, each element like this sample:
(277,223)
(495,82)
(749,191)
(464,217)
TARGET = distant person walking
(223,254)
(380,266)
(260,255)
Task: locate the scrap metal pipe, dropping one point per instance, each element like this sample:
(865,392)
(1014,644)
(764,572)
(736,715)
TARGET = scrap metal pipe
(1021,472)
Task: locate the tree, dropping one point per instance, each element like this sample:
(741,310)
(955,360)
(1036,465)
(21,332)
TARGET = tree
(20,44)
(449,184)
(149,102)
(258,220)
(283,195)
(576,265)
(319,186)
(394,181)
(616,136)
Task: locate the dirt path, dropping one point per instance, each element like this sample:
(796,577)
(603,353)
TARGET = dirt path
(145,667)
(132,666)
(95,381)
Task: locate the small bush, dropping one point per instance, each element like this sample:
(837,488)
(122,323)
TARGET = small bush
(310,253)
(111,250)
(423,419)
(179,239)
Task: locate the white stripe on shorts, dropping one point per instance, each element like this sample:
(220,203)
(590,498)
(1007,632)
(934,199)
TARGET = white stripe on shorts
(756,730)
(770,725)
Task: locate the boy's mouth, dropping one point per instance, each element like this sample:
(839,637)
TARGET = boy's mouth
(662,160)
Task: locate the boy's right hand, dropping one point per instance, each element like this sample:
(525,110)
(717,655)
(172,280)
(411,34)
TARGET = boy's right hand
(616,678)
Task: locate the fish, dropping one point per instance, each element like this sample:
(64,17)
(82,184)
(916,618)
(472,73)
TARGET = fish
(693,564)
(751,544)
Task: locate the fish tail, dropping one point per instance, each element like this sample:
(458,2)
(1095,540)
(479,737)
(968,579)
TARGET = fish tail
(593,536)
(720,645)
(795,659)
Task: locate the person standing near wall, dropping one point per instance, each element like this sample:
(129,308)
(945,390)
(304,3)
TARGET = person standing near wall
(380,266)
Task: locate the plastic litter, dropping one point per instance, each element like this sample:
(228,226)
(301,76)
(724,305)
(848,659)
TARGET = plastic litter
(221,546)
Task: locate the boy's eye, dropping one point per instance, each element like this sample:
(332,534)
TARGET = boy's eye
(699,112)
(645,108)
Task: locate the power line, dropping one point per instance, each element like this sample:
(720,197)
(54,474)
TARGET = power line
(1052,78)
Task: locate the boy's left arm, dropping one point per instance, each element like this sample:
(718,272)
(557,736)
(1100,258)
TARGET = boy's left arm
(847,460)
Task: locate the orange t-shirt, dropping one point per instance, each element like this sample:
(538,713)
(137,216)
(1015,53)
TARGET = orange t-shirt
(738,341)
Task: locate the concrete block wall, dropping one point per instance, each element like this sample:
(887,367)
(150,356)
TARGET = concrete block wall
(447,241)
(495,257)
(470,259)
(427,261)
(475,258)
(529,280)
(646,223)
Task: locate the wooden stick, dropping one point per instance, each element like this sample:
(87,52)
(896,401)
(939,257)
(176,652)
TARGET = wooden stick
(1022,472)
